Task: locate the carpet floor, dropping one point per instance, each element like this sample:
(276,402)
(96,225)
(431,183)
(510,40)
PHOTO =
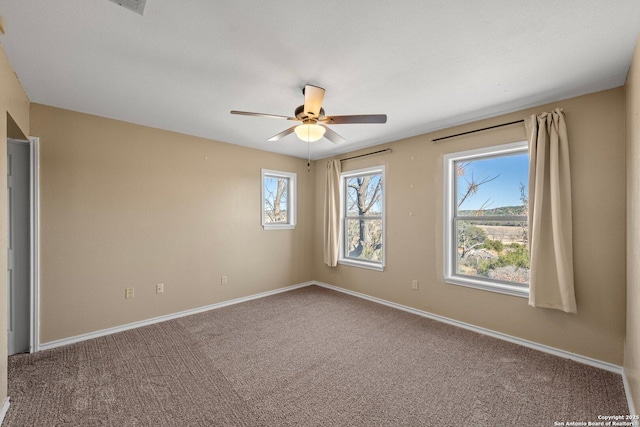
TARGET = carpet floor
(308,357)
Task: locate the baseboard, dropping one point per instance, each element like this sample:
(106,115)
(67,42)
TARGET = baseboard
(627,391)
(109,331)
(499,335)
(530,344)
(4,410)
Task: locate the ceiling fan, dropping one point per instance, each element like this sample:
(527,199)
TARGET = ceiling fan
(312,118)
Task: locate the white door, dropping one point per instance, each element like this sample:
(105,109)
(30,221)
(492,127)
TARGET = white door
(19,241)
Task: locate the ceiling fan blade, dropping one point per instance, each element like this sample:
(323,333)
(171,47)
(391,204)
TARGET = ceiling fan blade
(362,118)
(271,116)
(283,133)
(313,97)
(332,136)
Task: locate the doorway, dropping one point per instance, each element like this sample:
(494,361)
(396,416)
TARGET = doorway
(22,244)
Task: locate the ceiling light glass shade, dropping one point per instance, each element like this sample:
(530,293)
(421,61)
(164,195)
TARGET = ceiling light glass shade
(309,132)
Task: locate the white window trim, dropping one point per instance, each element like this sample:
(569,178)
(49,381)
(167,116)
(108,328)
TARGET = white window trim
(291,199)
(371,265)
(450,247)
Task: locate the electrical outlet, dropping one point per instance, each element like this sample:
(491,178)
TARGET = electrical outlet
(414,284)
(128,293)
(223,280)
(160,288)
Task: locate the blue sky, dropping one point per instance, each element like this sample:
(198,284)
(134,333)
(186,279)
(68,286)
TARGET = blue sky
(502,191)
(270,186)
(352,195)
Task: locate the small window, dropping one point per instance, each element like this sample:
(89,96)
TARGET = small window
(363,218)
(486,210)
(278,200)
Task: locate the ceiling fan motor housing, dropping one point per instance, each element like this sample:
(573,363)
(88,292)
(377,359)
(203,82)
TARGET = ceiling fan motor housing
(303,115)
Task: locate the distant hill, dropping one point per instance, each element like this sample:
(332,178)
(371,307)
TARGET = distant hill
(501,211)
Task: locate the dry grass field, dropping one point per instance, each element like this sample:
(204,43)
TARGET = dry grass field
(505,234)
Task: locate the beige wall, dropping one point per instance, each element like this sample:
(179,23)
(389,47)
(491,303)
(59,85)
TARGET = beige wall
(596,127)
(632,342)
(14,122)
(124,205)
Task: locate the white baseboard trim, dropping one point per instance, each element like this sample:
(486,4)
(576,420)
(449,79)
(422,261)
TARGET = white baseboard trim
(627,391)
(526,343)
(499,335)
(109,331)
(530,344)
(4,410)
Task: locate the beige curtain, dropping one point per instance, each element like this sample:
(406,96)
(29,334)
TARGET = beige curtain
(332,213)
(550,228)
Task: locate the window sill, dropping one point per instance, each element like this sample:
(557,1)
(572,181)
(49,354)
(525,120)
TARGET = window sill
(502,288)
(278,226)
(361,264)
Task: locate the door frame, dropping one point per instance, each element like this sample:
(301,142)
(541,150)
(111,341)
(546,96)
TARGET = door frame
(34,157)
(34,226)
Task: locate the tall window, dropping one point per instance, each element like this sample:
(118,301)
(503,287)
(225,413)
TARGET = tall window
(486,229)
(278,199)
(363,218)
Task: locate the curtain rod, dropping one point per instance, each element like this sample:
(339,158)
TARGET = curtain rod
(477,130)
(480,130)
(368,154)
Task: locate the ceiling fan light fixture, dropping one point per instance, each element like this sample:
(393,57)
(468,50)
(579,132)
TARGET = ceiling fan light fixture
(309,132)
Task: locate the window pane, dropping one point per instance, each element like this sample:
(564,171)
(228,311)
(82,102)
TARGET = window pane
(495,250)
(276,194)
(493,186)
(364,239)
(363,195)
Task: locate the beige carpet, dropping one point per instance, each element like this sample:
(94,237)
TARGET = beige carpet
(309,357)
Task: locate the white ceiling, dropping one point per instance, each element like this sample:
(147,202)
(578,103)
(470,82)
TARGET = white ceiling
(427,64)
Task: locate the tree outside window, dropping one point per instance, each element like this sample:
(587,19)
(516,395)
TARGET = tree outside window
(278,199)
(275,200)
(363,220)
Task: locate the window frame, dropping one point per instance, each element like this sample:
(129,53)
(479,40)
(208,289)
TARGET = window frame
(450,218)
(291,199)
(354,262)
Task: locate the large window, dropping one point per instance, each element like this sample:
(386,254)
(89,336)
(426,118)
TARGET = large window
(278,199)
(363,218)
(486,229)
